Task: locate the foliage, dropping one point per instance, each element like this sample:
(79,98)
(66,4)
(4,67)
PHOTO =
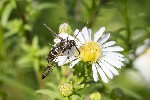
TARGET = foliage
(24,45)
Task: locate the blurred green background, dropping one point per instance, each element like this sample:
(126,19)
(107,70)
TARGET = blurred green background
(24,43)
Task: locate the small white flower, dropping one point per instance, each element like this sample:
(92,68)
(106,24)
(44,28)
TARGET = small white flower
(101,54)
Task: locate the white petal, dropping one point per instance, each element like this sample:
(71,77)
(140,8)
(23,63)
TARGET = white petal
(89,33)
(102,74)
(95,76)
(113,56)
(74,49)
(61,60)
(103,40)
(78,43)
(111,68)
(70,59)
(98,34)
(107,44)
(113,62)
(108,73)
(57,40)
(65,36)
(79,35)
(73,63)
(114,48)
(85,34)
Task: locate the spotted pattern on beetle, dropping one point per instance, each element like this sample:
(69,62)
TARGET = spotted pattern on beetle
(57,50)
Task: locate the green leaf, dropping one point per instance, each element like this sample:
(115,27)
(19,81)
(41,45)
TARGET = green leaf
(35,42)
(90,89)
(18,85)
(53,95)
(44,51)
(46,5)
(6,13)
(44,91)
(36,65)
(132,94)
(13,27)
(52,85)
(24,60)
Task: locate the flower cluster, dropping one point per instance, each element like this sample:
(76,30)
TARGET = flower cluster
(95,96)
(66,89)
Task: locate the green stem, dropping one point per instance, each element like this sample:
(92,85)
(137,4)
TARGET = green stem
(70,98)
(93,12)
(24,20)
(127,22)
(63,74)
(128,29)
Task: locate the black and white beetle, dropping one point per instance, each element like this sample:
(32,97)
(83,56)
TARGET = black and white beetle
(57,50)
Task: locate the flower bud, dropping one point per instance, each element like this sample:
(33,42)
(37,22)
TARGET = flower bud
(65,28)
(66,89)
(95,96)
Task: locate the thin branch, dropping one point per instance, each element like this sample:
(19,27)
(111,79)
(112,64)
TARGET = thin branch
(95,12)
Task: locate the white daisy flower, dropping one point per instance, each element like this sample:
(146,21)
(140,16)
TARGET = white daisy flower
(101,54)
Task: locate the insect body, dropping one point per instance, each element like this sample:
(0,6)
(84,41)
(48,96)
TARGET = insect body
(58,50)
(47,71)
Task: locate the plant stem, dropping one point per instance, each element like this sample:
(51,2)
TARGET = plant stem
(24,20)
(93,12)
(127,22)
(128,29)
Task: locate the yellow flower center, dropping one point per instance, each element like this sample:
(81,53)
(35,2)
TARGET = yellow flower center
(90,52)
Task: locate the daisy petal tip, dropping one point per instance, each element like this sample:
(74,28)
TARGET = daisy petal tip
(119,67)
(76,32)
(108,34)
(60,64)
(95,80)
(117,73)
(122,65)
(95,77)
(102,28)
(84,28)
(106,81)
(121,49)
(111,77)
(70,66)
(73,63)
(113,42)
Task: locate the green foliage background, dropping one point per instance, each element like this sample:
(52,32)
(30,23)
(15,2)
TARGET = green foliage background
(24,45)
